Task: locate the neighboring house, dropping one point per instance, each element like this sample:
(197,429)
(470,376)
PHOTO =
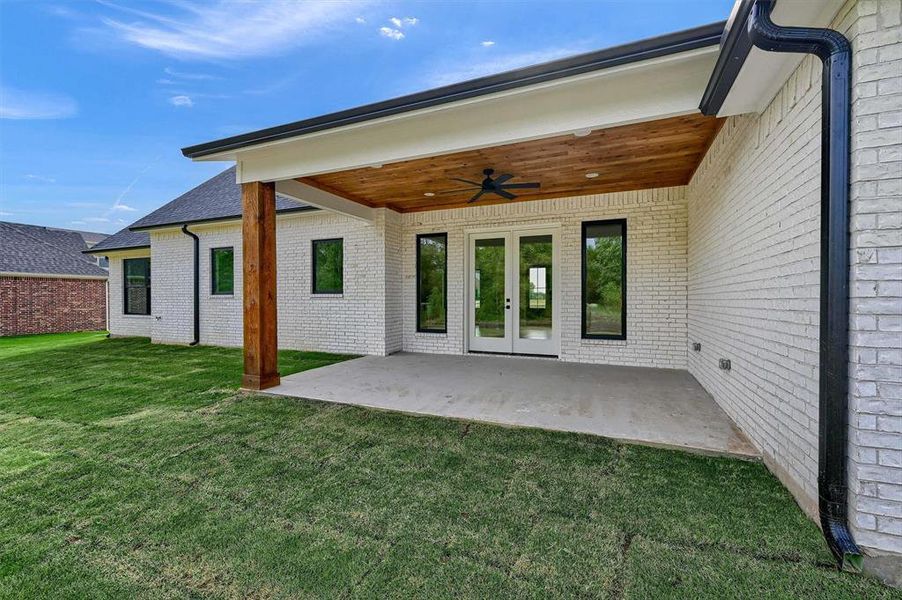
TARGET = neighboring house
(678,224)
(47,283)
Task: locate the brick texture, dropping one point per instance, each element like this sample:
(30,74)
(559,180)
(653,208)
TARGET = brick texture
(656,272)
(122,324)
(31,305)
(875,460)
(754,275)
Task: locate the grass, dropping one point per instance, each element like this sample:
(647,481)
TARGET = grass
(22,344)
(136,470)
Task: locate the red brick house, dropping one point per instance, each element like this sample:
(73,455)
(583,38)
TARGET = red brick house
(47,284)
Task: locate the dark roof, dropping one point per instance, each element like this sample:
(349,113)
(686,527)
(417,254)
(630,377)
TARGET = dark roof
(36,249)
(217,199)
(124,239)
(672,43)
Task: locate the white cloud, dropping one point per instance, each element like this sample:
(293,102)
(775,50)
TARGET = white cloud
(444,74)
(487,44)
(5,214)
(226,29)
(405,22)
(181,101)
(40,178)
(388,32)
(22,104)
(78,222)
(360,20)
(124,207)
(165,81)
(190,76)
(95,219)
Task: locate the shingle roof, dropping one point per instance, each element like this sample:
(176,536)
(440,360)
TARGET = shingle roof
(44,250)
(216,199)
(123,239)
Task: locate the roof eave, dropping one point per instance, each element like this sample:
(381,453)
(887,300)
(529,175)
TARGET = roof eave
(115,249)
(299,209)
(673,43)
(735,47)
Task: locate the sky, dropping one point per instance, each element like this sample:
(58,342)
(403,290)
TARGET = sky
(97,97)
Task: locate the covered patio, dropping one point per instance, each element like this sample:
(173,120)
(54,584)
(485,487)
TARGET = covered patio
(660,407)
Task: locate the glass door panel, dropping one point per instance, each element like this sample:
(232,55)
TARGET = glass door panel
(489,289)
(536,304)
(490,323)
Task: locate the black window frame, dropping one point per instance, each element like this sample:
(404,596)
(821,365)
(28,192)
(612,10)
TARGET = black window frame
(313,289)
(623,294)
(213,291)
(125,286)
(421,329)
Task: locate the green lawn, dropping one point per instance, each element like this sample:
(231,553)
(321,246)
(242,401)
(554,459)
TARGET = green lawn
(136,470)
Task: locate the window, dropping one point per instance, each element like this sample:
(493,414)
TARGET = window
(328,267)
(538,287)
(604,279)
(222,265)
(432,282)
(136,273)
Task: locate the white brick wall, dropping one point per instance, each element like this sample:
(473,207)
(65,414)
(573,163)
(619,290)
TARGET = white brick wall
(875,30)
(375,315)
(754,275)
(121,324)
(656,272)
(171,287)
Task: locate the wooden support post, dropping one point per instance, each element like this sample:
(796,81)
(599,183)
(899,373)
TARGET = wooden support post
(258,228)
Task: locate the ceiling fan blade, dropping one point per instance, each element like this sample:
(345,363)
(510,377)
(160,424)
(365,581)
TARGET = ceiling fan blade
(502,178)
(504,194)
(477,184)
(520,186)
(476,197)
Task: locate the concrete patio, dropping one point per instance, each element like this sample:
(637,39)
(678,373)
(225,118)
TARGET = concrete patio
(661,407)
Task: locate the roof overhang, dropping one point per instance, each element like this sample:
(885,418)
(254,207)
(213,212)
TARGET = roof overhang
(745,79)
(214,220)
(638,82)
(52,275)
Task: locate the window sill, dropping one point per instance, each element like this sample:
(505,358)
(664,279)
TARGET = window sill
(327,295)
(228,296)
(432,333)
(131,316)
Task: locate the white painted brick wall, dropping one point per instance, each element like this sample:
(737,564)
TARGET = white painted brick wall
(352,322)
(754,275)
(120,323)
(171,287)
(875,30)
(375,315)
(656,272)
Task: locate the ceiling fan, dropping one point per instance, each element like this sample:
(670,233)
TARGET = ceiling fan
(496,186)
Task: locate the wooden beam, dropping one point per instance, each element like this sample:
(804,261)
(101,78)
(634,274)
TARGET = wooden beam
(325,198)
(258,229)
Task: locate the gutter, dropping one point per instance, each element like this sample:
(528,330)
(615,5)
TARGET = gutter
(196,339)
(664,45)
(735,46)
(835,53)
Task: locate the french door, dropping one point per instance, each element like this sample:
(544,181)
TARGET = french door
(512,292)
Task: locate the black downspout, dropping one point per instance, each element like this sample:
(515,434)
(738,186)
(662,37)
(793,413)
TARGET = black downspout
(835,53)
(196,285)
